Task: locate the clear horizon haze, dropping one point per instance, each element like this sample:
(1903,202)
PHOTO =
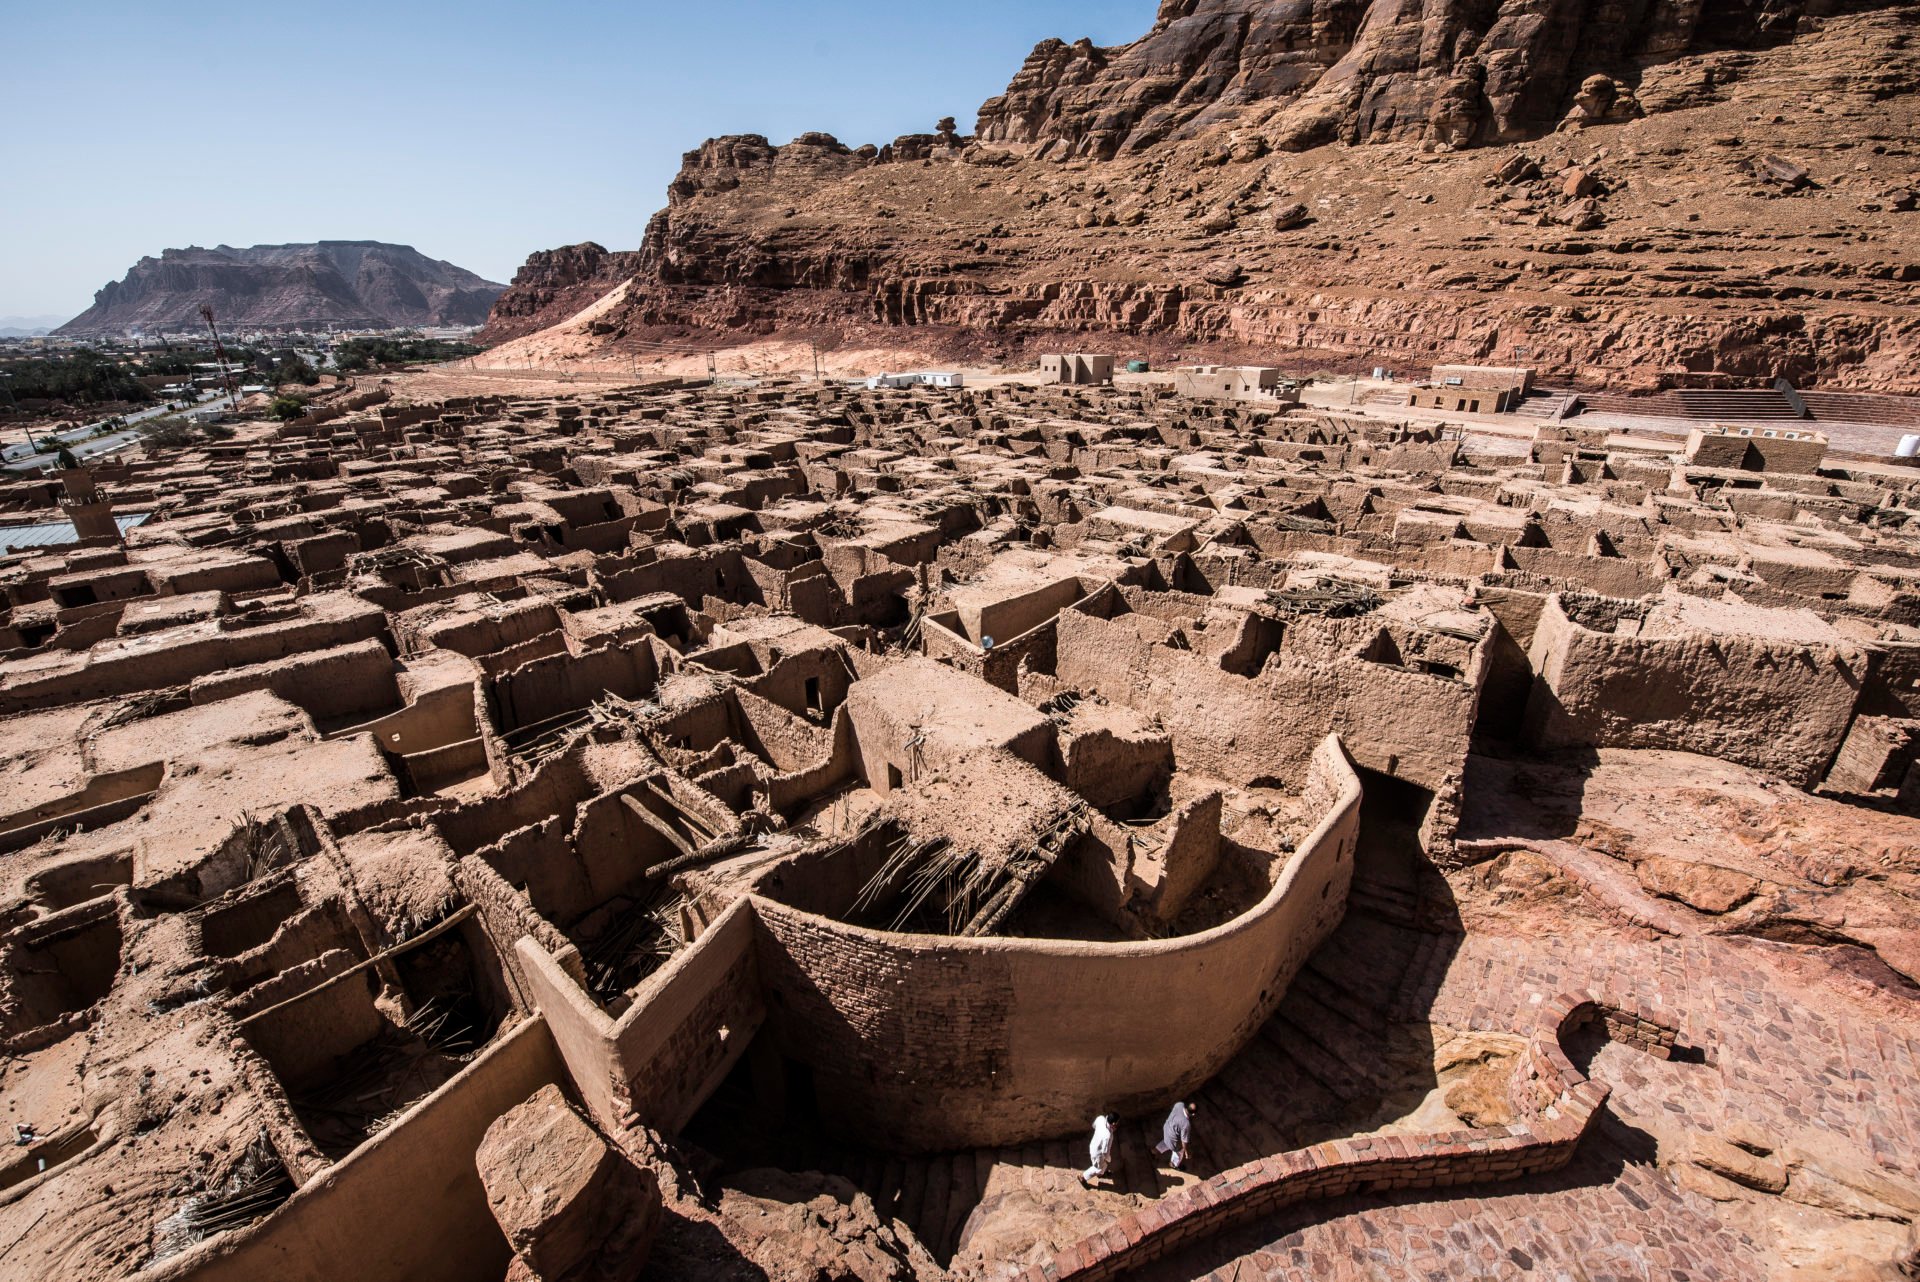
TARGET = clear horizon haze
(477,132)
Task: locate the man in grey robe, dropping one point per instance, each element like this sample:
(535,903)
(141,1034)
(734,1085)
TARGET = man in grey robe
(1177,1134)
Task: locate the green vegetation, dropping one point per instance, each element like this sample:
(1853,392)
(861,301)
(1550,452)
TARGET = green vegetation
(171,433)
(285,408)
(186,360)
(372,353)
(286,366)
(81,377)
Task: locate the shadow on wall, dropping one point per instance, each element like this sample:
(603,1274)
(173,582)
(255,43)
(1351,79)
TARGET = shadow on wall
(1532,795)
(1352,1043)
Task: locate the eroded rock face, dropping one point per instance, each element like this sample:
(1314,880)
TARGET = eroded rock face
(1348,70)
(557,281)
(1450,240)
(1706,887)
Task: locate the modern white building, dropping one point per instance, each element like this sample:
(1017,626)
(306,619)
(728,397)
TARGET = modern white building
(921,379)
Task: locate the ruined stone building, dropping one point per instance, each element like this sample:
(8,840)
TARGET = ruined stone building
(751,831)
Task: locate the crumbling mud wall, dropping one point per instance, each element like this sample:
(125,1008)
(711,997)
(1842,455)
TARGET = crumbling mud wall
(688,1025)
(606,716)
(407,1204)
(1781,703)
(1241,728)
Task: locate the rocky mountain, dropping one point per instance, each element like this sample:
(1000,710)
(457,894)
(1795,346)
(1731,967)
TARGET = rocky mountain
(1681,190)
(356,284)
(557,283)
(1303,73)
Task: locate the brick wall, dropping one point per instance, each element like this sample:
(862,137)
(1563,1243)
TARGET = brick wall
(1556,1102)
(933,1041)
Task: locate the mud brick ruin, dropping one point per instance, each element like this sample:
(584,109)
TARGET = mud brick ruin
(705,831)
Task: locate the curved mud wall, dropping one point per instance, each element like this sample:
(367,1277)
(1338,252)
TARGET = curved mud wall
(934,1042)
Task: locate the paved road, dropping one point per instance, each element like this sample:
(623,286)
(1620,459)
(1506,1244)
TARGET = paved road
(73,438)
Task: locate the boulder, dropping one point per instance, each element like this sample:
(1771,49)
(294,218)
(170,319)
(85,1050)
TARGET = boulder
(1779,171)
(1291,215)
(1601,100)
(808,1227)
(1731,1162)
(1519,168)
(1227,275)
(1582,215)
(1246,146)
(571,1206)
(1709,888)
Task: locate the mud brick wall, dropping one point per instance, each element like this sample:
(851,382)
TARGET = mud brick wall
(788,792)
(1776,705)
(325,621)
(408,1203)
(1016,1039)
(688,1025)
(351,680)
(554,684)
(940,1013)
(1236,728)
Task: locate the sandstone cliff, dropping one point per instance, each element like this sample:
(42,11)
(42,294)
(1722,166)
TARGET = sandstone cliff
(1352,71)
(356,284)
(1683,192)
(556,283)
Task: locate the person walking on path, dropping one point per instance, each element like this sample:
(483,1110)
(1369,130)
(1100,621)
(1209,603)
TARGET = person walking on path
(1177,1134)
(1101,1150)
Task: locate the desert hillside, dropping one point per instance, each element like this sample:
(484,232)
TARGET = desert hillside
(1730,197)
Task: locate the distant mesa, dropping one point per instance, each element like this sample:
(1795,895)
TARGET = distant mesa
(27,326)
(354,284)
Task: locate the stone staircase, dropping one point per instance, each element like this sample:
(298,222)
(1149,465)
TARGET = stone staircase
(1656,405)
(1736,403)
(1702,406)
(1545,406)
(1864,407)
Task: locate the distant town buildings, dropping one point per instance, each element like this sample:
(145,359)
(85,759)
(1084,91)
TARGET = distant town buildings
(1237,383)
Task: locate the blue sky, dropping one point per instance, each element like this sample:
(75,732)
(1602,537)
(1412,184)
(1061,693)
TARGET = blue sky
(475,132)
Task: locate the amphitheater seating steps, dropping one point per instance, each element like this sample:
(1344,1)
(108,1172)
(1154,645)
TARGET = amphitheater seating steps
(1864,407)
(1739,403)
